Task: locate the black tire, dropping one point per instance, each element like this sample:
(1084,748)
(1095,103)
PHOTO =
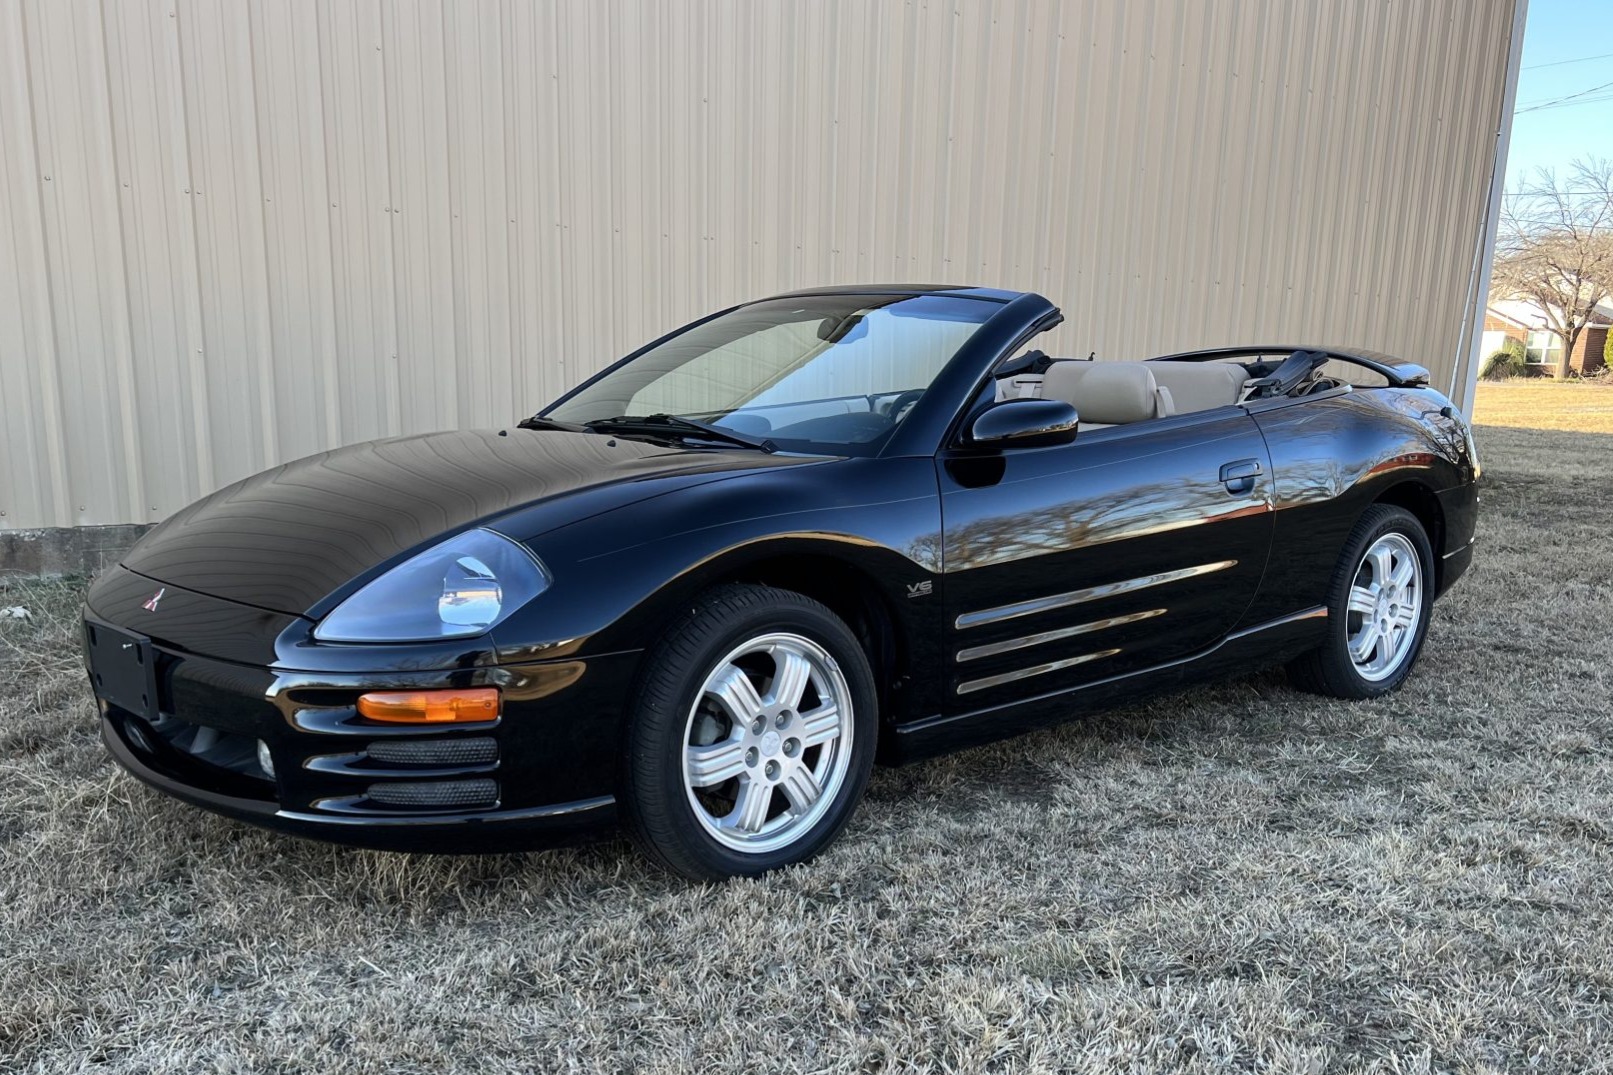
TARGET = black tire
(656,803)
(1329,669)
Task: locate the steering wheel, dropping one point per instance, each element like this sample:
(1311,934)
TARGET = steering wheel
(898,406)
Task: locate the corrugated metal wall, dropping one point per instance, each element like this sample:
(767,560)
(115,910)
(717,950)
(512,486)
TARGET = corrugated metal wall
(233,233)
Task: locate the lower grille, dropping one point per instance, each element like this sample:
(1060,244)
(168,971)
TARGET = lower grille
(434,752)
(221,749)
(436,793)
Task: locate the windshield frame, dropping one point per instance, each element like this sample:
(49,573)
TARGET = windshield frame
(923,430)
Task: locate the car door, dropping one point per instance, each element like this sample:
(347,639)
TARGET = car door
(1130,547)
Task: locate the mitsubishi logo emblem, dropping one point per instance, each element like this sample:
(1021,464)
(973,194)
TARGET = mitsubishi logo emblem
(151,605)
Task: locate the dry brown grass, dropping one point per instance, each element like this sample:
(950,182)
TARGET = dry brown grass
(1239,878)
(1538,403)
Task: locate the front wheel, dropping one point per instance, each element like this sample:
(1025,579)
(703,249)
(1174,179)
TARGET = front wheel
(1379,602)
(753,735)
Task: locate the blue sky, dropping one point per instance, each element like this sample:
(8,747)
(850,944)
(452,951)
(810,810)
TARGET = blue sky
(1580,31)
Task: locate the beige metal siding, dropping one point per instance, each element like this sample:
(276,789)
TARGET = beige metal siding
(232,233)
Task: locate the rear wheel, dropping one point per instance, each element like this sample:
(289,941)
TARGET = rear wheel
(752,739)
(1379,602)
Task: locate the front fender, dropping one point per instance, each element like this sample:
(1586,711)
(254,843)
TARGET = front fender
(620,577)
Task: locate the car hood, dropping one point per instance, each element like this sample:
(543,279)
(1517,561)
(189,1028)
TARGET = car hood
(289,537)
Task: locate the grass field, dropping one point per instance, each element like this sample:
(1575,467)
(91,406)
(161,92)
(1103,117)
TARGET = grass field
(1536,403)
(1239,878)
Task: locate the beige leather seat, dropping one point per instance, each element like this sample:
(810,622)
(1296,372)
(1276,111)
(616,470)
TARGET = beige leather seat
(1107,393)
(1201,386)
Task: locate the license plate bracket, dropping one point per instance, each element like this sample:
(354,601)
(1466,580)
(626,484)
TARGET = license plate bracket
(123,668)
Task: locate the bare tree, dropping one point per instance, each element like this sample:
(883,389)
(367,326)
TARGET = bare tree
(1554,249)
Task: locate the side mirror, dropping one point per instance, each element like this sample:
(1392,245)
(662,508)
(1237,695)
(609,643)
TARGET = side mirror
(1023,423)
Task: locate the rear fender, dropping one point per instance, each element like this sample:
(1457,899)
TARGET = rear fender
(1333,456)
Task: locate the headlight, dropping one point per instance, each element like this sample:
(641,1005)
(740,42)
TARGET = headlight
(458,589)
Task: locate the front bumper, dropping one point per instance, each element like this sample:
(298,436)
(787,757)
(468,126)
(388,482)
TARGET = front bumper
(543,773)
(446,833)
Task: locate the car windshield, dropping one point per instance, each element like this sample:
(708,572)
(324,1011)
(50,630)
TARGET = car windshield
(820,373)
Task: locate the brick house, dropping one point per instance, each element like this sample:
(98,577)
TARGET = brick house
(1522,321)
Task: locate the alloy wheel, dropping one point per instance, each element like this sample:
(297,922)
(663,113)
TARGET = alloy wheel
(1385,607)
(768,743)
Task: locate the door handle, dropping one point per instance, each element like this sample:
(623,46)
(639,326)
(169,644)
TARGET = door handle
(1239,477)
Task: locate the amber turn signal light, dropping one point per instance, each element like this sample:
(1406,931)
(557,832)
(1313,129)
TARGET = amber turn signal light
(470,706)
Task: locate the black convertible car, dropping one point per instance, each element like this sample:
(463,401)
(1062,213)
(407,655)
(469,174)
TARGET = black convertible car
(706,589)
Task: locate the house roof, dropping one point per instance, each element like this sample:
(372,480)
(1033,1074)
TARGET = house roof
(1496,311)
(1527,315)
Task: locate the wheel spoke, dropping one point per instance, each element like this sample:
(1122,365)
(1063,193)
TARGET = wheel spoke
(1384,651)
(1364,644)
(790,676)
(750,809)
(1405,617)
(820,726)
(713,764)
(1402,572)
(1382,563)
(1363,599)
(736,694)
(800,787)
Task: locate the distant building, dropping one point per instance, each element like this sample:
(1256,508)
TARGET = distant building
(1525,322)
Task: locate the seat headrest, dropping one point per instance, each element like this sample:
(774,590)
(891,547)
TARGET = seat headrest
(1063,379)
(1114,393)
(1199,386)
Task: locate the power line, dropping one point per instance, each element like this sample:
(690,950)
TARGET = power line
(1559,223)
(1566,228)
(1565,97)
(1560,63)
(1571,104)
(1562,100)
(1550,193)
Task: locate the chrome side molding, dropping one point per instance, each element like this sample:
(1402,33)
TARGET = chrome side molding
(992,649)
(1034,670)
(1090,593)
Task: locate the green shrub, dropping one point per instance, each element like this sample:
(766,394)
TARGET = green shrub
(1506,361)
(1607,352)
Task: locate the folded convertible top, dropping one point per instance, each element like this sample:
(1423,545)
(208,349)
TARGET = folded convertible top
(1397,371)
